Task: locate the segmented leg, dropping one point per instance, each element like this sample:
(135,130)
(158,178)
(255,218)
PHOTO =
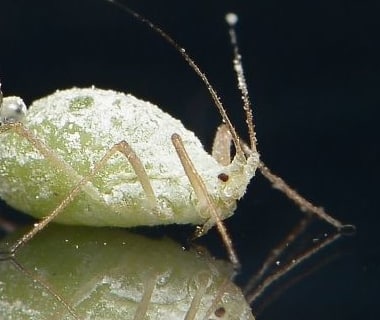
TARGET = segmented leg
(123,147)
(205,201)
(203,281)
(19,129)
(142,308)
(222,145)
(32,275)
(270,280)
(218,299)
(255,288)
(300,201)
(275,254)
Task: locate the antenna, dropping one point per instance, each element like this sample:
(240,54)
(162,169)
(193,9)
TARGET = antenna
(1,96)
(232,20)
(193,65)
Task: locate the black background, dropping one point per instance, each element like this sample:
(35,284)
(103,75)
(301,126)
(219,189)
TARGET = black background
(312,70)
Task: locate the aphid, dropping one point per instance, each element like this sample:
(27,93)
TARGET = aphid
(119,173)
(81,152)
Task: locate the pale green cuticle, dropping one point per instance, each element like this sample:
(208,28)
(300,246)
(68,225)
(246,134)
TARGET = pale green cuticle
(82,102)
(117,122)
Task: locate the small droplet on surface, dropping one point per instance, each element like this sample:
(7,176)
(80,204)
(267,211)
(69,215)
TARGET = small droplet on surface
(232,18)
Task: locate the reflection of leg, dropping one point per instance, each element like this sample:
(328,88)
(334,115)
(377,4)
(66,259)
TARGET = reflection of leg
(276,253)
(122,147)
(149,285)
(221,148)
(202,280)
(259,284)
(213,309)
(271,279)
(46,286)
(205,202)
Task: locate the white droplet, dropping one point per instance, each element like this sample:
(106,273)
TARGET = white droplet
(232,18)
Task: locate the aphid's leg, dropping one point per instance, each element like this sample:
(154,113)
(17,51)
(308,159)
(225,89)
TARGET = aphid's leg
(122,147)
(275,253)
(45,285)
(203,282)
(48,153)
(276,181)
(269,281)
(255,286)
(218,103)
(221,148)
(205,201)
(21,130)
(142,308)
(219,312)
(277,292)
(300,201)
(221,151)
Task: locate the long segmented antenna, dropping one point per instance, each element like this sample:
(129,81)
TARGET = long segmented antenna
(232,19)
(1,96)
(256,287)
(192,64)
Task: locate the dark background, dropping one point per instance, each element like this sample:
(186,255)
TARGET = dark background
(312,71)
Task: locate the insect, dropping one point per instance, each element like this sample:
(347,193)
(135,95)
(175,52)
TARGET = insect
(210,207)
(156,178)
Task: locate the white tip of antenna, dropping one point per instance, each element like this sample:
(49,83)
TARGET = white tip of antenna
(232,18)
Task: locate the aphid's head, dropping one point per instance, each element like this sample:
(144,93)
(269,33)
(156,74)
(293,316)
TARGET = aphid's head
(237,176)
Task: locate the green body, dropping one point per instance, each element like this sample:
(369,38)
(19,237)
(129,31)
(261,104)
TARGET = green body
(79,126)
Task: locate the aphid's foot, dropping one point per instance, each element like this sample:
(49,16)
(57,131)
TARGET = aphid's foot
(202,230)
(199,232)
(348,230)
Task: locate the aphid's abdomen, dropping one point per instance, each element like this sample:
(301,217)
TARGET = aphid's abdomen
(112,274)
(80,126)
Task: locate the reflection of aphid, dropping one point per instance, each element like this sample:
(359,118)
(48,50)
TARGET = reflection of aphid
(55,165)
(104,275)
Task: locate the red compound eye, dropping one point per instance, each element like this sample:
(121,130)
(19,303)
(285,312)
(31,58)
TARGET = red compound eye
(220,312)
(223,177)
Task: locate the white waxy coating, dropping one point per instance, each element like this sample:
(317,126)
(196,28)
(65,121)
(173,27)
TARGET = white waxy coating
(80,125)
